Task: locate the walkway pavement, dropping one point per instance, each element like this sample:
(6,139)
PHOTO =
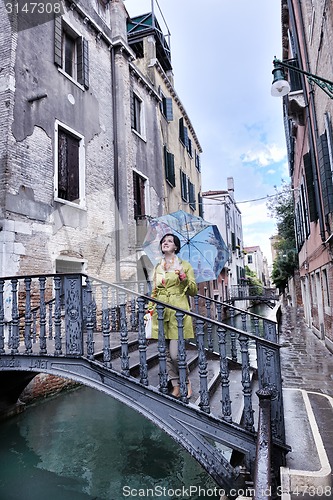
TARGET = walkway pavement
(307,370)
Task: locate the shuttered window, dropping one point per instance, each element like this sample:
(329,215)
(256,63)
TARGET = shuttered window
(325,174)
(183,133)
(69,166)
(184,186)
(192,199)
(166,108)
(313,214)
(71,52)
(139,195)
(169,164)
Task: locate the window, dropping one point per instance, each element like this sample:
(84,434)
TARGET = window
(249,259)
(197,162)
(200,204)
(183,134)
(139,195)
(166,108)
(70,160)
(326,289)
(169,164)
(184,186)
(189,147)
(191,190)
(71,53)
(137,115)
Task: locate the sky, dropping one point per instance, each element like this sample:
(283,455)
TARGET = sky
(222,53)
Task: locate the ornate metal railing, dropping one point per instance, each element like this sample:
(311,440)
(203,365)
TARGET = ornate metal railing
(75,316)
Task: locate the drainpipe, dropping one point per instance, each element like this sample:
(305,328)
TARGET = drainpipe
(116,160)
(308,115)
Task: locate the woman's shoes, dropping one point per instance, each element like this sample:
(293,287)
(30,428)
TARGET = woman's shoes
(175,391)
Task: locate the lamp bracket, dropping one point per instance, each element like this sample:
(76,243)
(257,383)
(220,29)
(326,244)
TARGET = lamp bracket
(323,83)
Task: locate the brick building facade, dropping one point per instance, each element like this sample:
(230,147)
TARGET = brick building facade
(307,37)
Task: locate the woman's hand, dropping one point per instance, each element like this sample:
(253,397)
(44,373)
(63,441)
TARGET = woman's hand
(181,273)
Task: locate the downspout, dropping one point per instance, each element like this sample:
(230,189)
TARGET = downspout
(116,161)
(308,115)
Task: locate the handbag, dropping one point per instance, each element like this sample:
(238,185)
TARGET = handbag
(148,325)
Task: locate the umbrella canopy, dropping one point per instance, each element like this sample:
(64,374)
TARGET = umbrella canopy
(201,243)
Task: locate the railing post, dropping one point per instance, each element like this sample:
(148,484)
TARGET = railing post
(15,337)
(142,342)
(269,375)
(42,320)
(125,370)
(106,328)
(27,317)
(182,366)
(209,326)
(2,318)
(73,315)
(246,382)
(262,473)
(163,372)
(233,336)
(204,395)
(57,317)
(224,372)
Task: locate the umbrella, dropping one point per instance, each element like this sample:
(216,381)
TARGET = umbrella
(201,243)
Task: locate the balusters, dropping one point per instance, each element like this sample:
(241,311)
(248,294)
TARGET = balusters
(219,311)
(224,372)
(27,317)
(106,328)
(133,313)
(182,366)
(233,337)
(202,361)
(163,373)
(125,370)
(50,320)
(246,382)
(15,334)
(244,325)
(2,318)
(42,320)
(57,316)
(209,326)
(142,342)
(256,326)
(270,330)
(113,311)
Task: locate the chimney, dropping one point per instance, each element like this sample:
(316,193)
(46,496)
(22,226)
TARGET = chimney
(231,187)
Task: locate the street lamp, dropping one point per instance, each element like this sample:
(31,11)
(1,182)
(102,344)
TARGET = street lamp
(281,87)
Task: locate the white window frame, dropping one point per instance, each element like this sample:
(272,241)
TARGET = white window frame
(67,28)
(142,125)
(147,190)
(82,181)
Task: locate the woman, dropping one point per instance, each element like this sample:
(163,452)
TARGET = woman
(173,281)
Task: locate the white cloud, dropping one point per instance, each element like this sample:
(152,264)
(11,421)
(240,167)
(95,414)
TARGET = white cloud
(268,155)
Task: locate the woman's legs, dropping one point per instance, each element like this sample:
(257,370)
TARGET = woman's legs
(172,367)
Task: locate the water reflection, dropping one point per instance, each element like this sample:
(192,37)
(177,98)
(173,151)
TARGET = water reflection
(85,445)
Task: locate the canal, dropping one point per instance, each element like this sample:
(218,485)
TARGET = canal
(84,445)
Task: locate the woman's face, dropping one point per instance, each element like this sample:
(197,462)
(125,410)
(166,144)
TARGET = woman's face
(168,245)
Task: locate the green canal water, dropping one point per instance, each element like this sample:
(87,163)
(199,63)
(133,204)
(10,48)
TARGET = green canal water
(84,445)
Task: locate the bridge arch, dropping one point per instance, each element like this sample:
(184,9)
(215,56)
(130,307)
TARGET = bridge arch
(175,418)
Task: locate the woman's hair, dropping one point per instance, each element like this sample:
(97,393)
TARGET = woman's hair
(176,241)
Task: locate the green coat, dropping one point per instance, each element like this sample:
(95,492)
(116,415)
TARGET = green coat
(173,292)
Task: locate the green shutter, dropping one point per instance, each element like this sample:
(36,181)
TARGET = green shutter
(168,109)
(58,41)
(83,62)
(325,174)
(310,187)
